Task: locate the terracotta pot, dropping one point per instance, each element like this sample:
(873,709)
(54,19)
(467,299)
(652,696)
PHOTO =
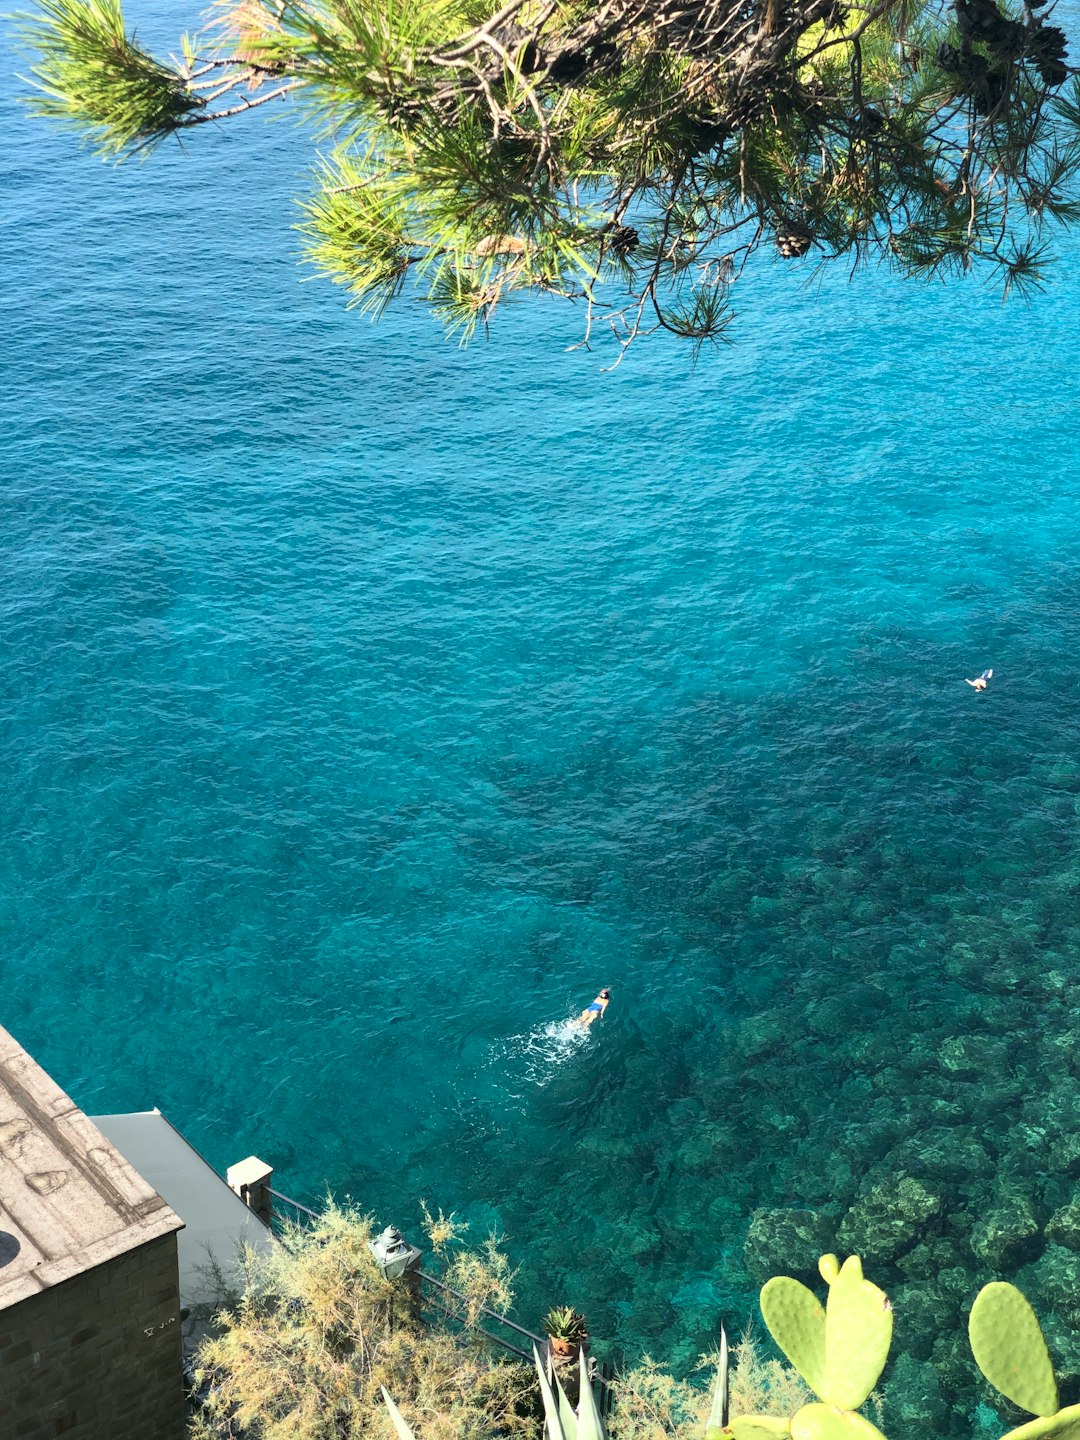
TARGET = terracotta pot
(566,1349)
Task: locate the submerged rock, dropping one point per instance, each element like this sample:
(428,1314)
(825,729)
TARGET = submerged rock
(889,1219)
(1064,1346)
(1059,1109)
(787,1242)
(955,1156)
(927,1259)
(1063,1227)
(974,1057)
(956,1371)
(1057,1283)
(922,1312)
(1009,1235)
(913,1401)
(1063,1156)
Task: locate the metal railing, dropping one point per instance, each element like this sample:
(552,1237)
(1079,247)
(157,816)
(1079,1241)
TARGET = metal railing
(447,1309)
(601,1375)
(303,1213)
(294,1205)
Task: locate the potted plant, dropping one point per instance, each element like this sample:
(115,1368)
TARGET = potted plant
(566,1331)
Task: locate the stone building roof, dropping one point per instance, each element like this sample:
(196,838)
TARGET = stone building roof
(68,1199)
(218,1226)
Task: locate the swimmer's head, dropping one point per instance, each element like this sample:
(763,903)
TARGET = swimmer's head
(605,994)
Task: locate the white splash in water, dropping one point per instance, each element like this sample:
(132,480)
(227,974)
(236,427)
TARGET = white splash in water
(536,1056)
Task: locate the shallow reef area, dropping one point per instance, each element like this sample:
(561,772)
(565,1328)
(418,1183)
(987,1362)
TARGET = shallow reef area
(370,703)
(915,1103)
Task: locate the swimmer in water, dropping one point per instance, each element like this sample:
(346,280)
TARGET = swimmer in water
(596,1009)
(980,683)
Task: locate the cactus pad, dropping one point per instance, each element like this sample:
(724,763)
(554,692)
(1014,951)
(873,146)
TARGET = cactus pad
(756,1427)
(824,1422)
(858,1333)
(1065,1425)
(796,1321)
(1008,1345)
(828,1268)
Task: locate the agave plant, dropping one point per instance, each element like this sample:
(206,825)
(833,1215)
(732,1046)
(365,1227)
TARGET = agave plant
(718,1413)
(561,1420)
(563,1322)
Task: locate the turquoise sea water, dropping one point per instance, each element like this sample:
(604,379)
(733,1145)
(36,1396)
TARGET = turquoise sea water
(366,704)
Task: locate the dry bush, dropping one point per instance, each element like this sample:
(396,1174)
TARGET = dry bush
(318,1330)
(762,1386)
(652,1405)
(442,1230)
(484,1278)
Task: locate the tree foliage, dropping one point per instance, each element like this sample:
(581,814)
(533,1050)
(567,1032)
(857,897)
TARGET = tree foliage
(316,1334)
(627,154)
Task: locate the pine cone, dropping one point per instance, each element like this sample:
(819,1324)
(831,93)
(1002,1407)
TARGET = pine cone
(978,19)
(623,239)
(1047,48)
(793,239)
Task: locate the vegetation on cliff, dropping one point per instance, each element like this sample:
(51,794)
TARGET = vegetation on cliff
(624,155)
(321,1346)
(306,1349)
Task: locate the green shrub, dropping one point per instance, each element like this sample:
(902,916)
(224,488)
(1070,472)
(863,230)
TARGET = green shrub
(318,1332)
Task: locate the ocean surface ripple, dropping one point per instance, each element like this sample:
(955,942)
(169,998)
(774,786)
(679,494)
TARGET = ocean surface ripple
(368,703)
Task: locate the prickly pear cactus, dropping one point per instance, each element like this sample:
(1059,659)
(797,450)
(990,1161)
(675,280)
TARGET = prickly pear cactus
(758,1427)
(1008,1345)
(840,1351)
(825,1422)
(796,1321)
(1065,1425)
(858,1333)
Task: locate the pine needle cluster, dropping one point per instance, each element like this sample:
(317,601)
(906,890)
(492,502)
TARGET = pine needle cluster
(91,73)
(622,154)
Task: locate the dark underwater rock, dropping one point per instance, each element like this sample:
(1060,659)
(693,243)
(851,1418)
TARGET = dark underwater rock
(708,1147)
(1059,1110)
(833,1015)
(1010,1234)
(955,1156)
(1063,1227)
(759,1036)
(654,1316)
(788,1242)
(922,1312)
(1057,1282)
(1063,1157)
(889,1218)
(957,1373)
(913,1401)
(1064,1345)
(940,1111)
(1022,1148)
(986,1105)
(927,1259)
(974,1057)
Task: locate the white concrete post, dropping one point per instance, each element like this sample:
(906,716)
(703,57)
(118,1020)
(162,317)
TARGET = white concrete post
(250,1179)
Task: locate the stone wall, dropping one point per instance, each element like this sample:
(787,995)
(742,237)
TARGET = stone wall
(97,1357)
